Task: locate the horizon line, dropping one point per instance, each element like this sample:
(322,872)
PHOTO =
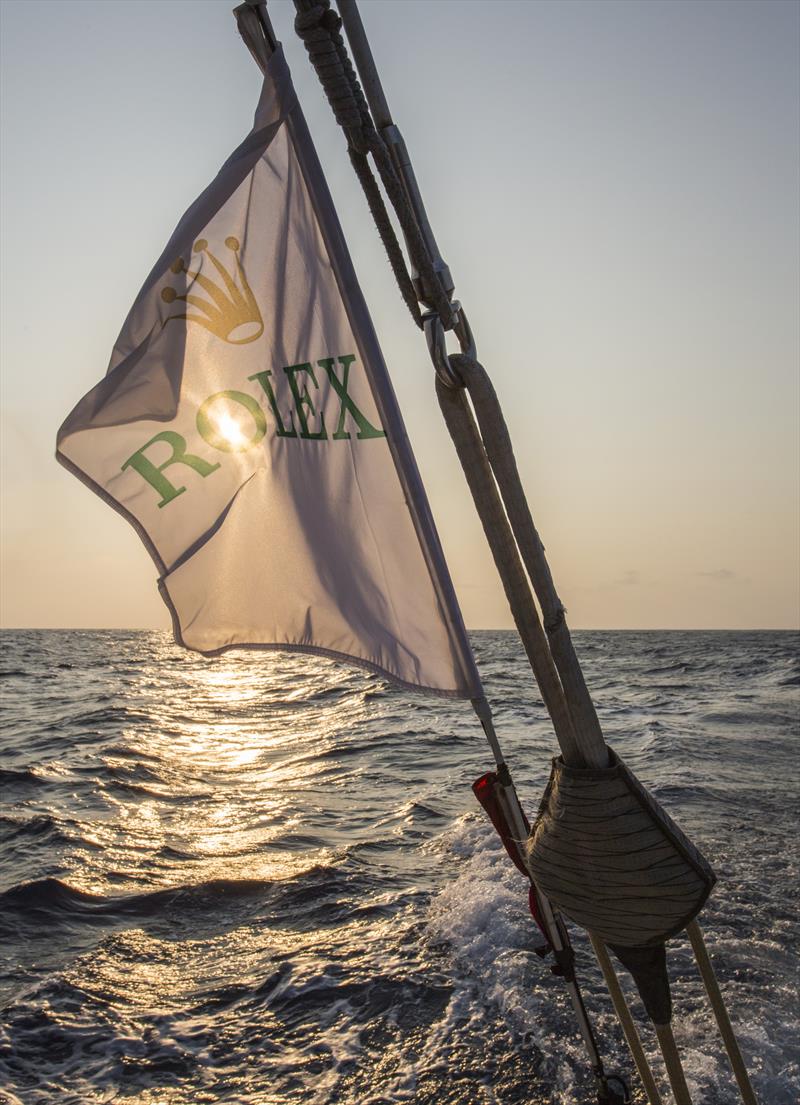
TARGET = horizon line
(470,629)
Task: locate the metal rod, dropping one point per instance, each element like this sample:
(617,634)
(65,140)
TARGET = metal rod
(484,714)
(626,1020)
(365,63)
(260,9)
(382,117)
(721,1013)
(672,1061)
(558,939)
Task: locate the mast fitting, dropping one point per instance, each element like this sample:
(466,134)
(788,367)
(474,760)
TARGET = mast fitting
(437,343)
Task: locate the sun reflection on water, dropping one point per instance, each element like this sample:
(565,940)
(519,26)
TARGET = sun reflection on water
(222,770)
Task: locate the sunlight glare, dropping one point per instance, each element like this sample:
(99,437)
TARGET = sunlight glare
(230,429)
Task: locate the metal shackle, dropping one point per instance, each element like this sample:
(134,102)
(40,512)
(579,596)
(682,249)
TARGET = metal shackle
(437,343)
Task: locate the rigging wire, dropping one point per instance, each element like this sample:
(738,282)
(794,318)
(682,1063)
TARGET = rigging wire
(319,27)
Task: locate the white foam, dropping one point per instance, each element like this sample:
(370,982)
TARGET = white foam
(482,915)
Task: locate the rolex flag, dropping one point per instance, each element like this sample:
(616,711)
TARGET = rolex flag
(247,429)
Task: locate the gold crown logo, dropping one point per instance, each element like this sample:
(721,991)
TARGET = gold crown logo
(231,311)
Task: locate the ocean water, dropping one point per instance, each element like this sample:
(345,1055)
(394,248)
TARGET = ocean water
(263,878)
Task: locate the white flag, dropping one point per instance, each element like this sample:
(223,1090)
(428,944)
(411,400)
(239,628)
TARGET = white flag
(247,428)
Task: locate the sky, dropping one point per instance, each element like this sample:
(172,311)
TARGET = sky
(615,188)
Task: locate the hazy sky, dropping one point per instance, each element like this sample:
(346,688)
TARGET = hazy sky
(615,188)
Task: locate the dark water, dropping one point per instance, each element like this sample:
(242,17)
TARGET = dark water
(263,878)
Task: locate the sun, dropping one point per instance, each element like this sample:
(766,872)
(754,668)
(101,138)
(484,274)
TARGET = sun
(229,429)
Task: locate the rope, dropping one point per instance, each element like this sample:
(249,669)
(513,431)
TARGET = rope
(383,224)
(487,459)
(472,455)
(672,1061)
(500,451)
(626,1020)
(417,248)
(720,1013)
(319,28)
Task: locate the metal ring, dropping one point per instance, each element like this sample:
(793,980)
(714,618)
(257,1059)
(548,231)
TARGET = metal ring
(437,347)
(437,343)
(462,331)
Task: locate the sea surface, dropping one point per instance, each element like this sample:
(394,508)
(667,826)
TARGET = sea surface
(263,878)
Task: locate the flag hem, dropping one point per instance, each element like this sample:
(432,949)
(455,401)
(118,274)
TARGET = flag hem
(269,646)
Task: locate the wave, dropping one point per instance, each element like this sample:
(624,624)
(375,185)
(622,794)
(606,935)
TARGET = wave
(49,903)
(121,715)
(756,717)
(163,793)
(666,669)
(25,778)
(37,826)
(52,900)
(133,773)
